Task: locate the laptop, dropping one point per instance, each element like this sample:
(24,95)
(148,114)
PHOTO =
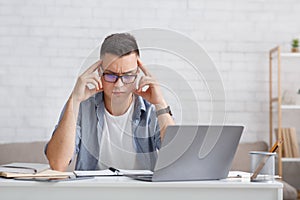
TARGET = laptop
(194,152)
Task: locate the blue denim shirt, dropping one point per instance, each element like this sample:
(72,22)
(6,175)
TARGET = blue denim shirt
(145,128)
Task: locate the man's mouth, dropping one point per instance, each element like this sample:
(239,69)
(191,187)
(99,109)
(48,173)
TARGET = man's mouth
(118,92)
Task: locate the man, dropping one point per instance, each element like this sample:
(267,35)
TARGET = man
(117,123)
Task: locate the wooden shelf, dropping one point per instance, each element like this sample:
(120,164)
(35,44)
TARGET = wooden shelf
(290,107)
(275,58)
(287,108)
(290,55)
(290,159)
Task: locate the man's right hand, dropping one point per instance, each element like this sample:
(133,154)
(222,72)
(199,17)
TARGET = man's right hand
(61,146)
(81,91)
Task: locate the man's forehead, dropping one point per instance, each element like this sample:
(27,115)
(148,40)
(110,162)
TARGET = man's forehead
(119,68)
(117,64)
(111,58)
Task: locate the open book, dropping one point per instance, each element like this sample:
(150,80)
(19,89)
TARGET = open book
(44,174)
(111,172)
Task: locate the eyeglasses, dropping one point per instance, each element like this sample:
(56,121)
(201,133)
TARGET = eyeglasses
(113,78)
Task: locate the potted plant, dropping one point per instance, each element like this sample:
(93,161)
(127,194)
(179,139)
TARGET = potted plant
(295,45)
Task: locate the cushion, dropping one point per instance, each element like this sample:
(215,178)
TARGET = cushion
(291,172)
(26,152)
(241,161)
(289,192)
(23,152)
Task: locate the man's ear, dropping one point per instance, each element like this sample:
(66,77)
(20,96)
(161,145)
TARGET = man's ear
(100,70)
(138,61)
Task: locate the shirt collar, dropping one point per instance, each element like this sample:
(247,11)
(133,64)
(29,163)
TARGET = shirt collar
(139,104)
(139,107)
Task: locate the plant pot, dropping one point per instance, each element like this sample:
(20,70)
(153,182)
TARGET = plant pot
(295,49)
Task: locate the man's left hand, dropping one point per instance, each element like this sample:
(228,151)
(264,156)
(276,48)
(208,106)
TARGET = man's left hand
(153,93)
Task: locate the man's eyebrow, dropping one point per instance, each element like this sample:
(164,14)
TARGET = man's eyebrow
(128,72)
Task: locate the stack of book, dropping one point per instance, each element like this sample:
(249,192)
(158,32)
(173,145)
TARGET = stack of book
(290,146)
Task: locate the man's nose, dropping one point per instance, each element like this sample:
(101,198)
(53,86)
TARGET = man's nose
(119,82)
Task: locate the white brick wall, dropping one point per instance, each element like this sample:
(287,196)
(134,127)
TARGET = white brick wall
(43,43)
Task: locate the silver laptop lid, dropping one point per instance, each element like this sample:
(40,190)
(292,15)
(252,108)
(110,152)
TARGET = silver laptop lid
(192,152)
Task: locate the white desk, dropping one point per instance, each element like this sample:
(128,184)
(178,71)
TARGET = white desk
(122,188)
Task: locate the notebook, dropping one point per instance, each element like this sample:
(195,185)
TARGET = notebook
(25,168)
(194,152)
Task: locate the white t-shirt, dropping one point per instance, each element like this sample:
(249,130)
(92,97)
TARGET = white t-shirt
(116,148)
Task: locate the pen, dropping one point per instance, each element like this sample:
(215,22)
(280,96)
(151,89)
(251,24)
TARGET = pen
(275,146)
(116,171)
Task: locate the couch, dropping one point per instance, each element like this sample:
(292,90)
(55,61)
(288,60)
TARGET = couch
(34,152)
